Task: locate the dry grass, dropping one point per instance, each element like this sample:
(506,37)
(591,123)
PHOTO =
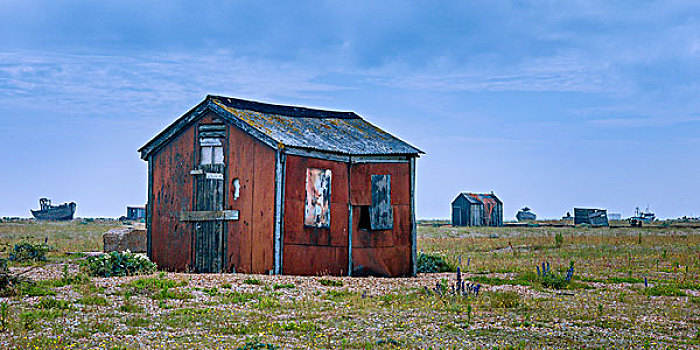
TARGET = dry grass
(608,306)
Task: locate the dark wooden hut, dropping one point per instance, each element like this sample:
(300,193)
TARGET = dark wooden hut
(477,209)
(590,216)
(236,185)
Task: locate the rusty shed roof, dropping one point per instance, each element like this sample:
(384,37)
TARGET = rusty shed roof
(479,198)
(299,127)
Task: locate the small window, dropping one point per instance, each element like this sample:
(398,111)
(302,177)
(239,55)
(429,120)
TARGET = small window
(211,151)
(317,211)
(381,213)
(363,214)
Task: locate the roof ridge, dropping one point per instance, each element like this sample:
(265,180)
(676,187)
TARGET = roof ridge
(292,111)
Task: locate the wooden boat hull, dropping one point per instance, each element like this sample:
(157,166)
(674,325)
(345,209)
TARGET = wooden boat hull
(59,212)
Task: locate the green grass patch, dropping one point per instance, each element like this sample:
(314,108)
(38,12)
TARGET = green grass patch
(668,290)
(51,303)
(283,286)
(330,283)
(168,294)
(624,280)
(252,281)
(506,299)
(154,283)
(93,300)
(35,290)
(338,295)
(237,297)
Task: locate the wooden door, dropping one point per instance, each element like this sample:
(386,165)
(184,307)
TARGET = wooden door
(209,233)
(208,217)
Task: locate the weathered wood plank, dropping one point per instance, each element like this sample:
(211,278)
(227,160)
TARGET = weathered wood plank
(209,215)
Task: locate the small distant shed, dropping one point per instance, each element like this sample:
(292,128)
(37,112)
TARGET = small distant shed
(590,216)
(245,186)
(477,209)
(135,213)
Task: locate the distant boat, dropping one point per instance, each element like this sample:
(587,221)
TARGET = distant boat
(525,215)
(63,211)
(642,217)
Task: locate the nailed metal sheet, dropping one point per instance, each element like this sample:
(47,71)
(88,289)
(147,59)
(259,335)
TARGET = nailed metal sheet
(381,214)
(317,212)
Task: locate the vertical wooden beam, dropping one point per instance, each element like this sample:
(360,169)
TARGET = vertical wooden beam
(280,160)
(414,260)
(149,210)
(349,165)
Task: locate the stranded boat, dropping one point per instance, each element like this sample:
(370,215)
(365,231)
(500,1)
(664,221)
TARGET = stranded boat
(525,215)
(63,211)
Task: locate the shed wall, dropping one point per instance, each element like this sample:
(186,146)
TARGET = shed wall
(312,250)
(250,238)
(382,252)
(171,246)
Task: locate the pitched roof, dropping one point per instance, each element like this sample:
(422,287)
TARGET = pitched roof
(479,198)
(290,126)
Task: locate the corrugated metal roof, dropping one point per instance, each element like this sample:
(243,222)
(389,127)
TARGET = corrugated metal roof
(481,197)
(328,131)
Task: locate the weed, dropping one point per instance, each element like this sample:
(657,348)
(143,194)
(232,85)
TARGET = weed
(267,303)
(283,286)
(4,315)
(558,239)
(212,292)
(252,281)
(26,251)
(237,297)
(624,280)
(432,263)
(507,299)
(34,290)
(154,283)
(226,286)
(257,346)
(118,264)
(50,303)
(551,279)
(167,293)
(330,283)
(93,300)
(663,290)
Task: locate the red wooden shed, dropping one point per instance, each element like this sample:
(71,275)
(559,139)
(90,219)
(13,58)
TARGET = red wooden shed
(236,185)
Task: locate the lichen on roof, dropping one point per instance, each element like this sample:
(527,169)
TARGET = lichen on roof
(330,131)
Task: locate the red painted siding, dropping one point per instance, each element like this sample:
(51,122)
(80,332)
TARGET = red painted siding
(385,252)
(308,250)
(250,239)
(312,251)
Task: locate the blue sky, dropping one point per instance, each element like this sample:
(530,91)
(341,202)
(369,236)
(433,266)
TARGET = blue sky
(550,104)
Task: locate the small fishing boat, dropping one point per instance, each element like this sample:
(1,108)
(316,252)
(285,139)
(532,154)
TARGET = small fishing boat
(47,211)
(525,215)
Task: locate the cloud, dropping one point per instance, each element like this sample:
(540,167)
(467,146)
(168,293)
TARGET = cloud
(106,84)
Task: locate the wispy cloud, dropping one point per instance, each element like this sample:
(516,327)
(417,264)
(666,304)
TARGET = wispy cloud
(96,84)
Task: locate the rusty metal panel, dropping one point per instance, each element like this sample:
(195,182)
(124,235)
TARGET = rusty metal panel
(382,261)
(317,212)
(362,187)
(309,260)
(381,213)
